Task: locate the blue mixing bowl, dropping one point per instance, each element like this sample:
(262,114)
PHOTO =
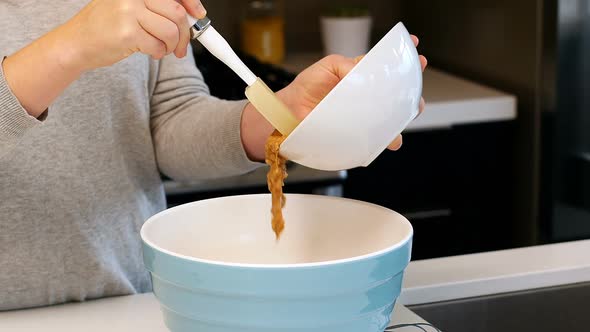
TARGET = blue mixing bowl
(217,267)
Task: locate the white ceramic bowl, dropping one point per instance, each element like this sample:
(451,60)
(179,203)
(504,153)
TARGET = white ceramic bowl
(364,113)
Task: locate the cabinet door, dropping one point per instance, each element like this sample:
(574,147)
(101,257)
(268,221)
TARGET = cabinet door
(455,186)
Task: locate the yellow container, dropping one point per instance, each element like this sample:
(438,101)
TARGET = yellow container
(263,32)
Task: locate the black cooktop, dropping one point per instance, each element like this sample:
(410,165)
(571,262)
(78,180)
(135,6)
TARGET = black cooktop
(225,84)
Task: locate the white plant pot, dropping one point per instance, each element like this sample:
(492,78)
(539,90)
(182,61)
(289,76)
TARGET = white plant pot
(348,36)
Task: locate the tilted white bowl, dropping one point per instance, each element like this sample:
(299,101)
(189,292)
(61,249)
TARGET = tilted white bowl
(358,119)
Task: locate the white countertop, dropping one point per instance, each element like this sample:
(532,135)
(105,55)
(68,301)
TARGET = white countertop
(137,313)
(448,278)
(426,281)
(450,100)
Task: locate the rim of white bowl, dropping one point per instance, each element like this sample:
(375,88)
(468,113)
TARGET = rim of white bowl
(277,266)
(354,69)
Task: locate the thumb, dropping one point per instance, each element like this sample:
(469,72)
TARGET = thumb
(338,65)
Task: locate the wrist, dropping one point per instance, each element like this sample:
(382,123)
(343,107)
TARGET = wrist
(67,52)
(39,72)
(254,132)
(255,129)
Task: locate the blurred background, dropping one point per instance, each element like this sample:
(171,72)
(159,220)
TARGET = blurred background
(501,157)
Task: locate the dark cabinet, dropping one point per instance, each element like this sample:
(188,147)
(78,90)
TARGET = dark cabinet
(454,185)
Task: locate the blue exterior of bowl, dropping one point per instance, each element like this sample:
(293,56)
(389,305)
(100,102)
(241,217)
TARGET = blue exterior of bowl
(351,296)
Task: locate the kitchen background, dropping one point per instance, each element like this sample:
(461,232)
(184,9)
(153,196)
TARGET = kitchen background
(500,159)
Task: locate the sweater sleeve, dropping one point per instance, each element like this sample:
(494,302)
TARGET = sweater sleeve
(15,121)
(196,136)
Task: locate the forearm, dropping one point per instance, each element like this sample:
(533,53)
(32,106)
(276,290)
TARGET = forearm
(40,72)
(199,138)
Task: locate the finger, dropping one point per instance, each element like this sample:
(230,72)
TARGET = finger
(161,28)
(396,144)
(415,40)
(422,106)
(423,62)
(358,59)
(151,45)
(176,13)
(194,8)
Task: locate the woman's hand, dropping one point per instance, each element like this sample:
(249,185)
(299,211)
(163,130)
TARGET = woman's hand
(301,96)
(107,31)
(101,34)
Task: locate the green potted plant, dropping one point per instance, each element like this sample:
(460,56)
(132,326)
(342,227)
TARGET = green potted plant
(346,30)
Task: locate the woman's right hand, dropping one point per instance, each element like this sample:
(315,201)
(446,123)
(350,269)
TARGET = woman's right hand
(107,31)
(101,34)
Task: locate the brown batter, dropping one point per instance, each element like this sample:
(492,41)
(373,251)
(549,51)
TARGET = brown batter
(275,179)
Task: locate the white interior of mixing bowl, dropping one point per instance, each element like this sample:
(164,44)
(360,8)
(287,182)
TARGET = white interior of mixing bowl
(236,230)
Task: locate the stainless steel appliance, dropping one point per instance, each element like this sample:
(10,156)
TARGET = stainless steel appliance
(565,182)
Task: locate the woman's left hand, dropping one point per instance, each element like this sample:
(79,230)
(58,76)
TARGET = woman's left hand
(301,96)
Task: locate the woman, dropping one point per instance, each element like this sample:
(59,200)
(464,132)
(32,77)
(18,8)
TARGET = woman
(90,111)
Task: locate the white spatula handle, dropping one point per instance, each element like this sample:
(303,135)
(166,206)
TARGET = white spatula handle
(220,48)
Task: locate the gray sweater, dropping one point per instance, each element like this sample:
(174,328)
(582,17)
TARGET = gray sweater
(76,186)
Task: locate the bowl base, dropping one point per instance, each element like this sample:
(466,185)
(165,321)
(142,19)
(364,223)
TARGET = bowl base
(376,322)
